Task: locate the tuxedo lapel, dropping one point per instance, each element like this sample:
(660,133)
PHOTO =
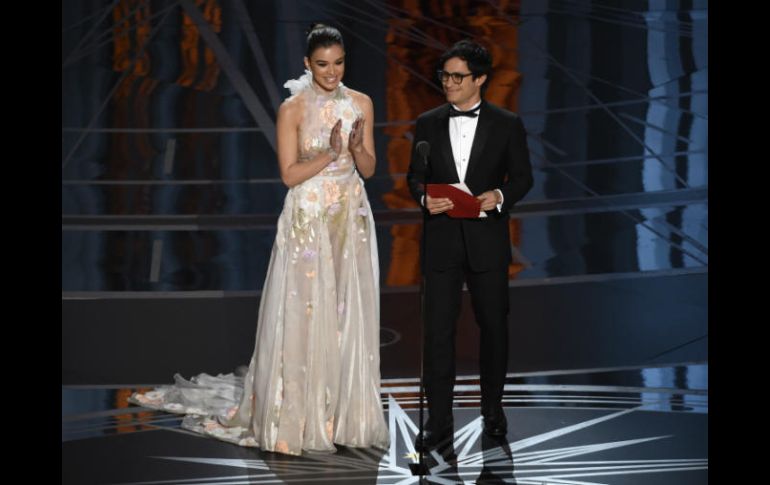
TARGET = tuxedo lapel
(446,146)
(483,128)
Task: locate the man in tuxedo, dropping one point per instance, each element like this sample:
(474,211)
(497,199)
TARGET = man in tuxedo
(484,146)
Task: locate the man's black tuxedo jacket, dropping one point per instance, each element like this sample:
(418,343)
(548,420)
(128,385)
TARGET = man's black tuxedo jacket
(499,159)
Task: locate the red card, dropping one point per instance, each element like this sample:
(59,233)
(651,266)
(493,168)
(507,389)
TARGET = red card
(465,205)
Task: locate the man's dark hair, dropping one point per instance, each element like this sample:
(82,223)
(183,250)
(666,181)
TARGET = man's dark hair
(476,55)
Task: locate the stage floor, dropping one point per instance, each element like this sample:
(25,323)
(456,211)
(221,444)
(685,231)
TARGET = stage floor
(624,426)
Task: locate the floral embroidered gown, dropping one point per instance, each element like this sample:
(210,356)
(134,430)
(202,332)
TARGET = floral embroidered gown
(314,377)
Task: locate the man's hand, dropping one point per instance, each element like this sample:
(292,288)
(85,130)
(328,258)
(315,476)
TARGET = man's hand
(438,205)
(489,200)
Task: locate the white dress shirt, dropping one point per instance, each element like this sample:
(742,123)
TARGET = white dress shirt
(462,130)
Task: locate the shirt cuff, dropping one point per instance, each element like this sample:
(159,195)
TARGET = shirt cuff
(502,199)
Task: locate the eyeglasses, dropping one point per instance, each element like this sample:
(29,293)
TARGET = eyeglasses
(457,78)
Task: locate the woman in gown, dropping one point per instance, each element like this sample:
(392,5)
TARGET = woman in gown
(314,377)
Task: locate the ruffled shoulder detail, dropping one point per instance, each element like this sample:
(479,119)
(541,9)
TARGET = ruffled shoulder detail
(300,84)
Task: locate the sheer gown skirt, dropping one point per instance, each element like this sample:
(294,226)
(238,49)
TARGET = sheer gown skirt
(314,377)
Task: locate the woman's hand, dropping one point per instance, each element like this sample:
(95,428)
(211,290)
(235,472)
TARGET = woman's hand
(335,140)
(356,138)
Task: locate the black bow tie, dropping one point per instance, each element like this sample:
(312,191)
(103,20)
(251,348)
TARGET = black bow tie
(471,113)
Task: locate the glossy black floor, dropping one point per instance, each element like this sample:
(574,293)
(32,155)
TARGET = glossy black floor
(170,192)
(601,426)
